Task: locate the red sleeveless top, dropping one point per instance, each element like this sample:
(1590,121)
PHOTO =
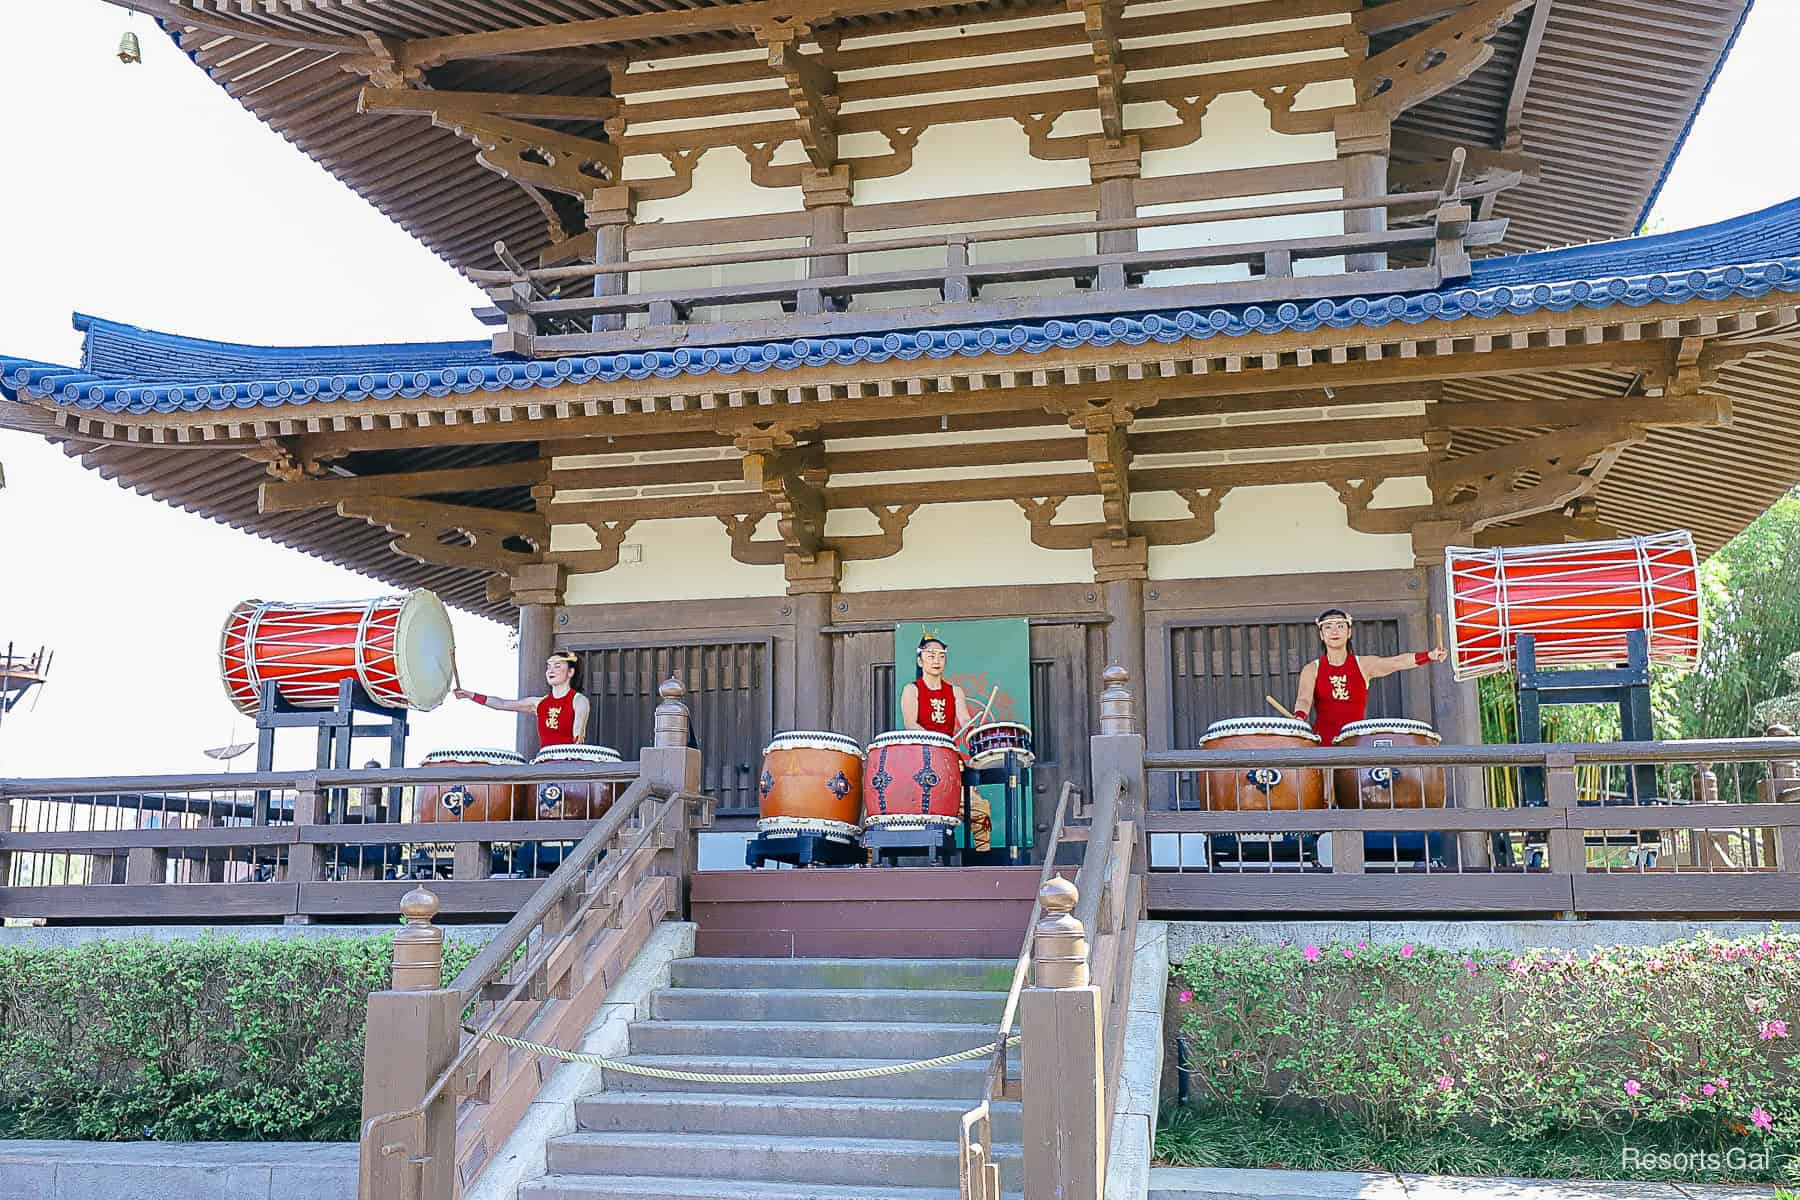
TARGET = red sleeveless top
(556,721)
(937,707)
(1340,696)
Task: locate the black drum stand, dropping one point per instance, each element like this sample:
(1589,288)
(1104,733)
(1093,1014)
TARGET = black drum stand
(804,848)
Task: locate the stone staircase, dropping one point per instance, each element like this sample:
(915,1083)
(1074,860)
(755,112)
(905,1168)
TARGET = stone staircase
(890,1138)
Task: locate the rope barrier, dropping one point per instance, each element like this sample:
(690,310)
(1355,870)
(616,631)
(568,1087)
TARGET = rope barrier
(626,1068)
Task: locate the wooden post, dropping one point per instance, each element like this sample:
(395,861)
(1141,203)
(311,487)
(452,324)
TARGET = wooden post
(1568,846)
(826,195)
(412,1036)
(609,213)
(1061,1061)
(306,860)
(6,827)
(1114,170)
(1363,139)
(1119,747)
(1780,845)
(671,762)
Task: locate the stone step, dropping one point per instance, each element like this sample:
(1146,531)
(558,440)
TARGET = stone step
(660,1187)
(959,1081)
(821,1004)
(822,1116)
(936,974)
(809,1039)
(881,1162)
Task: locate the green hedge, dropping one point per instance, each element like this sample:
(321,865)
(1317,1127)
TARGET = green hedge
(216,1039)
(1691,1043)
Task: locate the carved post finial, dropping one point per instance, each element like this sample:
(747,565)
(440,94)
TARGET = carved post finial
(419,947)
(671,725)
(1058,941)
(1116,708)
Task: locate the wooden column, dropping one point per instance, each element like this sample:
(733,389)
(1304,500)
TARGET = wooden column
(1114,170)
(609,214)
(671,762)
(825,194)
(1455,707)
(537,590)
(1064,1097)
(812,584)
(1363,140)
(1121,571)
(1119,749)
(6,827)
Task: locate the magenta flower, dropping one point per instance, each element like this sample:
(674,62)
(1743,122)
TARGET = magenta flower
(1445,1083)
(1187,997)
(1406,951)
(1770,1030)
(1761,1119)
(1469,965)
(1311,953)
(1656,964)
(1723,1082)
(1362,945)
(1633,1087)
(1707,1089)
(1519,966)
(1685,1100)
(1348,953)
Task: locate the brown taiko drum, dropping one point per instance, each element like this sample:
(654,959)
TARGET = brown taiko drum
(1262,789)
(473,801)
(811,783)
(1387,787)
(575,799)
(912,778)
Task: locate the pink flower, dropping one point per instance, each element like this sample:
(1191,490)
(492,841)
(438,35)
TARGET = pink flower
(1770,1030)
(1469,965)
(1362,945)
(1406,951)
(1187,997)
(1519,966)
(1707,1089)
(1761,1119)
(1445,1083)
(1685,1100)
(1633,1087)
(1311,953)
(1656,964)
(1724,1082)
(1348,953)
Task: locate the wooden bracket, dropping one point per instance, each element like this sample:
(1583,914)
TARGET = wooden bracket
(1579,522)
(610,535)
(811,86)
(530,154)
(423,526)
(1434,59)
(1200,524)
(1100,21)
(793,482)
(288,462)
(867,548)
(383,64)
(1482,489)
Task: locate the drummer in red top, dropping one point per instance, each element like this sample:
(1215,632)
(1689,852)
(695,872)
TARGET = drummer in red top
(1334,691)
(562,716)
(933,703)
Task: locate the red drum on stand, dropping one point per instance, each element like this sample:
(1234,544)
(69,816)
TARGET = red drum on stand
(1577,600)
(912,778)
(990,744)
(400,648)
(1261,789)
(1388,787)
(811,783)
(575,799)
(473,801)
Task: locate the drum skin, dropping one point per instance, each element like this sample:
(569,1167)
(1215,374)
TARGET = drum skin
(912,778)
(399,648)
(1387,787)
(1278,789)
(811,781)
(575,799)
(473,801)
(1577,600)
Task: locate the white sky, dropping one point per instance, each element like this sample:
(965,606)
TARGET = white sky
(144,194)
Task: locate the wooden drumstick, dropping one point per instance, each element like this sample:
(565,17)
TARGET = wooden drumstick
(1276,705)
(1440,629)
(977,718)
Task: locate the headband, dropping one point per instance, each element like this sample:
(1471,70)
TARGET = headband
(565,656)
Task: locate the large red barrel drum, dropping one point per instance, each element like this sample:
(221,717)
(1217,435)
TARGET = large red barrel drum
(1261,789)
(473,801)
(400,648)
(1387,786)
(811,783)
(1577,600)
(911,778)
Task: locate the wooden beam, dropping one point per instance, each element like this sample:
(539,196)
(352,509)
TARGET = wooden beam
(277,497)
(534,156)
(1434,59)
(790,478)
(422,526)
(1527,65)
(1701,411)
(182,17)
(1100,21)
(421,102)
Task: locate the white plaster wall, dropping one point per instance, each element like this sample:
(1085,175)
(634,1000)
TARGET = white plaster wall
(1288,529)
(686,558)
(983,544)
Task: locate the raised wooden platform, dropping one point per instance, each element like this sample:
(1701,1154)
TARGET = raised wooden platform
(868,912)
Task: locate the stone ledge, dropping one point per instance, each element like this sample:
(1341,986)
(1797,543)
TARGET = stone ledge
(55,1170)
(1187,1183)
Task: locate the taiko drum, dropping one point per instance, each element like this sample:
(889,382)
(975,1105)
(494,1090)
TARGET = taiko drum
(912,777)
(811,782)
(1387,786)
(575,799)
(1261,789)
(400,648)
(473,801)
(1577,600)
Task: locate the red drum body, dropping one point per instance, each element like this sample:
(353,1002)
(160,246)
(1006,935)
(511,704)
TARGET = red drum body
(400,648)
(811,783)
(990,744)
(1261,789)
(575,799)
(473,801)
(1387,787)
(1577,600)
(913,777)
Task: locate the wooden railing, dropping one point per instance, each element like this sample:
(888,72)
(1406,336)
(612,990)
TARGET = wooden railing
(439,1103)
(1435,227)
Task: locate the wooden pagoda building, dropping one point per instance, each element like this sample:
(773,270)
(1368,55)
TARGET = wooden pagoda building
(1162,325)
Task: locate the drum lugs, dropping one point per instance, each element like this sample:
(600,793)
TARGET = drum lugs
(1261,789)
(1379,786)
(811,782)
(575,799)
(473,801)
(911,778)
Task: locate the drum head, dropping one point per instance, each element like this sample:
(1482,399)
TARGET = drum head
(577,752)
(996,725)
(912,737)
(489,758)
(813,739)
(424,649)
(1243,726)
(1358,729)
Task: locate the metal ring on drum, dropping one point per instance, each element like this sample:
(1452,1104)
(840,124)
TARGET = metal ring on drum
(1261,789)
(912,778)
(1388,786)
(990,744)
(472,801)
(811,782)
(575,799)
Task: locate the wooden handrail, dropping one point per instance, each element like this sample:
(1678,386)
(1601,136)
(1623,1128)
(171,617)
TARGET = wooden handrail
(269,780)
(1528,755)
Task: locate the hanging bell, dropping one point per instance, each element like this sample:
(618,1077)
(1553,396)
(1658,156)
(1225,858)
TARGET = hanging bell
(129,52)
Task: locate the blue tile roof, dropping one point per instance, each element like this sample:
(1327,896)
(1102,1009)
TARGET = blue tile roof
(125,369)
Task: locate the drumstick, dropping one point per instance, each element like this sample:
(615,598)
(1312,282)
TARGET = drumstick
(1276,705)
(976,719)
(1440,630)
